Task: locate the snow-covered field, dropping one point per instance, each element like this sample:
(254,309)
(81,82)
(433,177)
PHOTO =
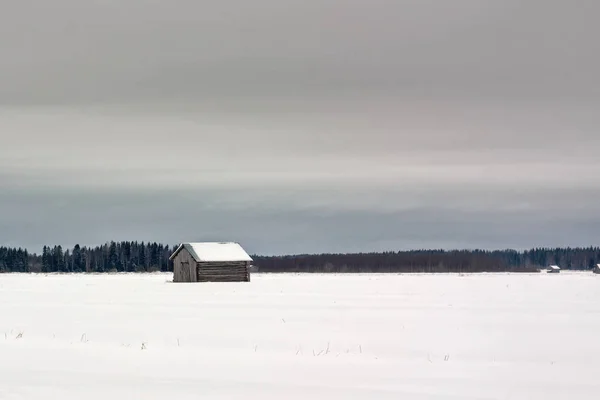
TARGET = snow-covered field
(489,336)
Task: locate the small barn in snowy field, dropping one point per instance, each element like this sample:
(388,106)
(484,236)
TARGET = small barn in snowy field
(596,269)
(211,262)
(553,269)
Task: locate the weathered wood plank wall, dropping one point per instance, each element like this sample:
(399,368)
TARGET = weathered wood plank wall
(184,267)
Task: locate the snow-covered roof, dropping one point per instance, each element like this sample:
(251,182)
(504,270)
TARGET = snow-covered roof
(214,251)
(554,267)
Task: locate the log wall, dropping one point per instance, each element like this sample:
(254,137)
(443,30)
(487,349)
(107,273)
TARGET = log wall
(223,272)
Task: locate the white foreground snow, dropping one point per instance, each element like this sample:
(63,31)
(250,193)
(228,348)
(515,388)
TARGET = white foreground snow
(490,336)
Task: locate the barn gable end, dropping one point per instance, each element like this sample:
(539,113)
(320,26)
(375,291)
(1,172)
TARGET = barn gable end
(184,266)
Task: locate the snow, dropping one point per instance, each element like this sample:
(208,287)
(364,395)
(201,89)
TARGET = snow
(215,251)
(425,337)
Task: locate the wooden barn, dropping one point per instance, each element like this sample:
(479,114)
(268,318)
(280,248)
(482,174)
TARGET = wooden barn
(596,269)
(211,262)
(554,269)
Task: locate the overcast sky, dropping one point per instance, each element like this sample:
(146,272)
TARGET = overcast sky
(300,126)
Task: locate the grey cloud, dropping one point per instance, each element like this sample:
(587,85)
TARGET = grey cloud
(300,126)
(388,133)
(301,221)
(73,52)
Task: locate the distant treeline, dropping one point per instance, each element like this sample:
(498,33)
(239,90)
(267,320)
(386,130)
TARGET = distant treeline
(149,257)
(435,261)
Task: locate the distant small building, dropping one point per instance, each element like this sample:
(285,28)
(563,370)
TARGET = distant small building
(596,269)
(553,269)
(211,262)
